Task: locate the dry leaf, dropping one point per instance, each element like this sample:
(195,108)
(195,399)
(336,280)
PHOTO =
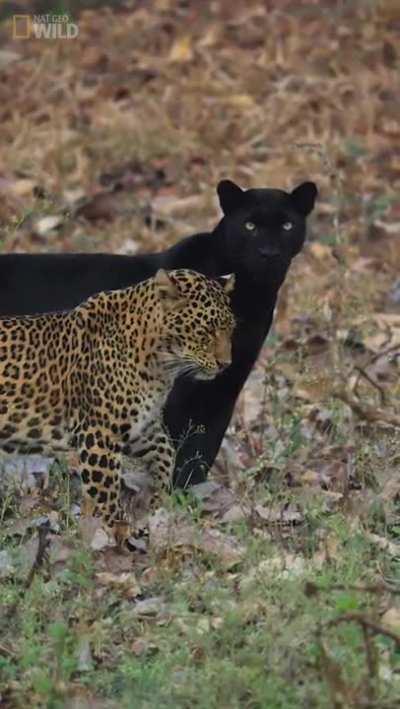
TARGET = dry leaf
(224,547)
(93,533)
(167,532)
(282,566)
(8,57)
(6,566)
(142,646)
(47,224)
(213,496)
(288,514)
(181,50)
(125,582)
(235,514)
(149,607)
(384,544)
(391,618)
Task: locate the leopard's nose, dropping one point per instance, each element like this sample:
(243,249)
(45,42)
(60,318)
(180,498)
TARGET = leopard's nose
(223,362)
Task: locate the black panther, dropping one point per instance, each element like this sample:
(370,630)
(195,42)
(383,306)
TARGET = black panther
(259,234)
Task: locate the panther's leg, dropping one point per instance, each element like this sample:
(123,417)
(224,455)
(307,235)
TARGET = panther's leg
(100,468)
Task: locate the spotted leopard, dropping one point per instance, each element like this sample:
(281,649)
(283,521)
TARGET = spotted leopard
(96,378)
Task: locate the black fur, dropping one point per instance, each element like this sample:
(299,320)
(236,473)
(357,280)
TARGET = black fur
(260,258)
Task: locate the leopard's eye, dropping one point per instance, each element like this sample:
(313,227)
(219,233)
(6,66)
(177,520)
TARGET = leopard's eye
(250,226)
(205,339)
(287,226)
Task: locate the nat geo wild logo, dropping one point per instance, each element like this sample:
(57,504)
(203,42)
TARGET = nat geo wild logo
(50,26)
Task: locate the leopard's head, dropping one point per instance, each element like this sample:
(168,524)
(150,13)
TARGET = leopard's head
(197,322)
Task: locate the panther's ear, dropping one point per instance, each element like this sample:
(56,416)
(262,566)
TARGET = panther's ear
(304,197)
(230,196)
(167,288)
(227,282)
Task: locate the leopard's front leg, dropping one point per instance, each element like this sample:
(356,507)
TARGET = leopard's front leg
(100,468)
(155,450)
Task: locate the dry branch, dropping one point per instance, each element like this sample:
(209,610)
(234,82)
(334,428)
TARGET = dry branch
(371,414)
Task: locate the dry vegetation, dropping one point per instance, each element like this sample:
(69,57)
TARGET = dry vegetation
(277,585)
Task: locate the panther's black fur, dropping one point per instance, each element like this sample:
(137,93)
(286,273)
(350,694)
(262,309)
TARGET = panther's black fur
(260,233)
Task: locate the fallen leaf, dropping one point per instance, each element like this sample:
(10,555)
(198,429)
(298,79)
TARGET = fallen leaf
(94,534)
(243,101)
(6,566)
(224,547)
(288,514)
(235,514)
(167,532)
(282,566)
(60,551)
(149,607)
(172,206)
(181,50)
(102,206)
(125,582)
(8,57)
(47,224)
(384,544)
(23,187)
(213,496)
(142,646)
(391,618)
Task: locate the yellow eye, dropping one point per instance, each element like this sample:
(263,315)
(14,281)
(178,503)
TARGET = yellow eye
(287,226)
(250,226)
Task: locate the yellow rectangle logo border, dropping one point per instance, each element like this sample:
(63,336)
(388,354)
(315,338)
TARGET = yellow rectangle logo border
(28,26)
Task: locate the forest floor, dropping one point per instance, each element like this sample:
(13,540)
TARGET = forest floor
(277,583)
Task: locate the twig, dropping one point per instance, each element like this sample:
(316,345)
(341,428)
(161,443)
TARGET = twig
(383,353)
(365,411)
(365,623)
(41,554)
(363,373)
(332,670)
(4,650)
(311,589)
(372,663)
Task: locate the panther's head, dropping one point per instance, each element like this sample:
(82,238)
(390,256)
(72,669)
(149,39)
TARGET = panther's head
(197,322)
(263,229)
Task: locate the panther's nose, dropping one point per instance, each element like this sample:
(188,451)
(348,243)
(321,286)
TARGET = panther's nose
(266,251)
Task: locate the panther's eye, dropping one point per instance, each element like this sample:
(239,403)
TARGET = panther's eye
(287,226)
(250,226)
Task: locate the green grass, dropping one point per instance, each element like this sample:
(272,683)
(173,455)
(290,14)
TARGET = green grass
(252,637)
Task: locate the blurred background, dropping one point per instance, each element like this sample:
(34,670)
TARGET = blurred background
(128,127)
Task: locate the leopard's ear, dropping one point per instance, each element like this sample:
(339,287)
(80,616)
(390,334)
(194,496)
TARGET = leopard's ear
(168,289)
(230,196)
(165,284)
(228,283)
